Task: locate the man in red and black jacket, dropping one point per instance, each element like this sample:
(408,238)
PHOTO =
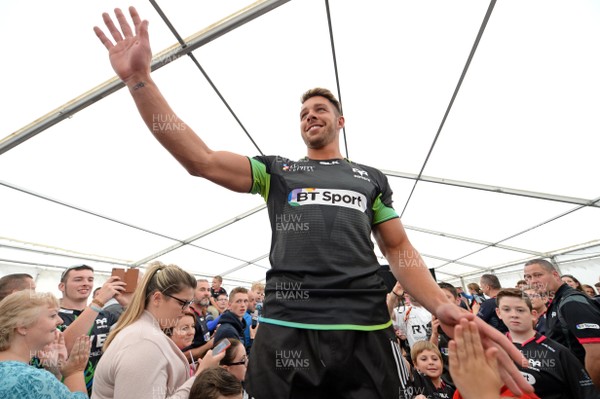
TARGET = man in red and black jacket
(572,318)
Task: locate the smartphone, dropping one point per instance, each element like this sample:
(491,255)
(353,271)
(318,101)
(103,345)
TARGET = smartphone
(129,276)
(221,346)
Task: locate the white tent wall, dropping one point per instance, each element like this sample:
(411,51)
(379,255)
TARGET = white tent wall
(47,279)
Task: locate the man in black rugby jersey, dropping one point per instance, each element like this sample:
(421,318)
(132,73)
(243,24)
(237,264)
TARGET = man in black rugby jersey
(572,318)
(325,328)
(553,370)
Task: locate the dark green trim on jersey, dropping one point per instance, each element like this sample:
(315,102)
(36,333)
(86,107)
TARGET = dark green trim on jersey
(307,326)
(382,213)
(261,180)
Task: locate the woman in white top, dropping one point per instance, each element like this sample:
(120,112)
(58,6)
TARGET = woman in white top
(139,360)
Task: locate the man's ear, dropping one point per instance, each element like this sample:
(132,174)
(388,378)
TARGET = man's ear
(341,122)
(61,287)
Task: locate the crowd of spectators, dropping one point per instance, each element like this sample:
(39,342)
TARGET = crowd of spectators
(158,340)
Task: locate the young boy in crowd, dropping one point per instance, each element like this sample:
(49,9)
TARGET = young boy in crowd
(554,372)
(426,377)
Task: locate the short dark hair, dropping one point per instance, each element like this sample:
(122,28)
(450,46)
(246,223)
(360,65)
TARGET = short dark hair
(491,280)
(450,288)
(321,92)
(542,262)
(514,293)
(215,382)
(65,274)
(13,282)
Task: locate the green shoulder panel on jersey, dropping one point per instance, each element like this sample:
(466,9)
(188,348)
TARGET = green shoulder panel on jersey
(261,180)
(382,213)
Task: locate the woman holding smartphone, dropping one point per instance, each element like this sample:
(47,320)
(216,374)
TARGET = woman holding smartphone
(138,351)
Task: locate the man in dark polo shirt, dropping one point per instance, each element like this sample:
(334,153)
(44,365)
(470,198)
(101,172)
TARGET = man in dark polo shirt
(490,286)
(572,319)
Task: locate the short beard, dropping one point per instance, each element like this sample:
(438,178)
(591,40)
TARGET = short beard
(204,302)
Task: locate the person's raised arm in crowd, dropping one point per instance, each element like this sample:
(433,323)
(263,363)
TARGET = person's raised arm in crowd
(130,57)
(474,371)
(76,284)
(410,270)
(394,298)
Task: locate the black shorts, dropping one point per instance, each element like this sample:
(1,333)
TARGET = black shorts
(290,363)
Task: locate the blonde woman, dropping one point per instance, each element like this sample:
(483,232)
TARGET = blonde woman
(139,360)
(28,323)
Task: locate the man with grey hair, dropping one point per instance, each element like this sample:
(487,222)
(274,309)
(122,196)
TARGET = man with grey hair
(572,319)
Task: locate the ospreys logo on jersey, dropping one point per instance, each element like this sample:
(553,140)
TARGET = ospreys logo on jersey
(361,174)
(294,167)
(326,196)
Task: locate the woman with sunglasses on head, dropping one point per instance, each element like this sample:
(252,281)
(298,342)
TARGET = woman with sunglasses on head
(139,360)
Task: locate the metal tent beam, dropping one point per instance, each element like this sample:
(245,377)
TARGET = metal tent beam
(111,219)
(472,240)
(65,255)
(451,261)
(199,235)
(495,189)
(499,268)
(251,262)
(161,59)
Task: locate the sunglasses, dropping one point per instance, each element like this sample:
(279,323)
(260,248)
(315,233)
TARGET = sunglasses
(184,304)
(244,361)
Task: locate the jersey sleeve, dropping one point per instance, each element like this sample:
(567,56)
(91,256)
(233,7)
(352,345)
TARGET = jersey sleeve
(261,178)
(382,206)
(582,319)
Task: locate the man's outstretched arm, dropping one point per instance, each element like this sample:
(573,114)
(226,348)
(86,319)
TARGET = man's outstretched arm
(409,269)
(130,56)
